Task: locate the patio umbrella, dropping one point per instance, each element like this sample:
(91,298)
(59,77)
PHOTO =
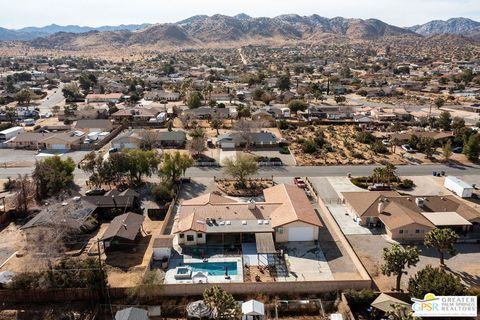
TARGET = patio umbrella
(198,309)
(226,271)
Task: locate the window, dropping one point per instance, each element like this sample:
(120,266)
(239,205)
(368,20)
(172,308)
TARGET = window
(280,230)
(400,231)
(199,235)
(181,236)
(190,237)
(417,231)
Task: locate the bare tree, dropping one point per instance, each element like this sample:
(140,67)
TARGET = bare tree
(24,193)
(149,139)
(245,128)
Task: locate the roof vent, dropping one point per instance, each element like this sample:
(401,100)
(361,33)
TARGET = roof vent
(251,204)
(244,222)
(381,206)
(420,202)
(260,222)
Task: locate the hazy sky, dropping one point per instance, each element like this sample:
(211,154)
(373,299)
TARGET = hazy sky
(21,13)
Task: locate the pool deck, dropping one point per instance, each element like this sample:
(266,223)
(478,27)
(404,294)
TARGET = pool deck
(174,263)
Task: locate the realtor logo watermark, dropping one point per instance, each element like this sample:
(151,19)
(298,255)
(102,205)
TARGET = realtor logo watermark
(445,306)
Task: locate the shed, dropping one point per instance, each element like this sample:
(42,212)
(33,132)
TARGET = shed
(253,309)
(162,247)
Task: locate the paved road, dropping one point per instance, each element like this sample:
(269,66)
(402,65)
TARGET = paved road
(54,99)
(331,171)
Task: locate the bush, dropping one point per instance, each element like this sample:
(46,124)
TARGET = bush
(406,184)
(309,147)
(284,150)
(360,300)
(9,185)
(358,155)
(163,193)
(379,147)
(283,125)
(364,137)
(361,182)
(301,140)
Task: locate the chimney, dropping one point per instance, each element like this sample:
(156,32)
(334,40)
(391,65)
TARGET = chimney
(419,202)
(251,205)
(381,206)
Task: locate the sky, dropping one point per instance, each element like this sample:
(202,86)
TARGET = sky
(16,14)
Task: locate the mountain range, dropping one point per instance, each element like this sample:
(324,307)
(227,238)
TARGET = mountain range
(204,30)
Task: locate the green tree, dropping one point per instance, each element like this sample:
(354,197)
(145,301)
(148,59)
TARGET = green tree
(447,150)
(340,99)
(194,100)
(71,91)
(87,81)
(297,105)
(439,102)
(435,280)
(197,143)
(224,304)
(240,168)
(283,82)
(174,166)
(52,175)
(457,124)
(472,147)
(445,120)
(442,240)
(24,96)
(216,124)
(396,259)
(141,163)
(428,146)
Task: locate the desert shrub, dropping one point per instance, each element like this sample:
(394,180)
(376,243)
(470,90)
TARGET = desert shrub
(9,185)
(379,147)
(300,140)
(364,137)
(358,155)
(283,125)
(309,147)
(406,184)
(284,150)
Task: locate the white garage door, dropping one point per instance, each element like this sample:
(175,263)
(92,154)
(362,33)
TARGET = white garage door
(58,147)
(300,234)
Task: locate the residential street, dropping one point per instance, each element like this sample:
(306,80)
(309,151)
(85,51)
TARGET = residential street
(286,171)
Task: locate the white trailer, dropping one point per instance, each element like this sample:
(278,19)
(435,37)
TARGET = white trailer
(459,187)
(9,133)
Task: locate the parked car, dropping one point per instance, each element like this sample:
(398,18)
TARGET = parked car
(95,192)
(407,148)
(386,142)
(457,150)
(299,182)
(379,187)
(112,150)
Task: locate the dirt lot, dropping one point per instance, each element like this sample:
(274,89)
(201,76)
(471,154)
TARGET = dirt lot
(126,268)
(369,249)
(342,140)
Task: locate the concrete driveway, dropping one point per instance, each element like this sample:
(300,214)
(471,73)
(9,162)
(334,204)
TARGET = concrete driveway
(427,186)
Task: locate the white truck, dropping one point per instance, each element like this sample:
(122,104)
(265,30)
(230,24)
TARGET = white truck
(459,187)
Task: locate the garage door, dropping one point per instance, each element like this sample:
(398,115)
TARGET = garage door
(300,234)
(58,147)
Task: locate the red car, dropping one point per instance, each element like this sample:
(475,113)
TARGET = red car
(299,182)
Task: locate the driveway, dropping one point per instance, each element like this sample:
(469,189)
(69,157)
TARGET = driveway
(427,186)
(224,154)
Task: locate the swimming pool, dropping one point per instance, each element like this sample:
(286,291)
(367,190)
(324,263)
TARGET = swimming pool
(214,268)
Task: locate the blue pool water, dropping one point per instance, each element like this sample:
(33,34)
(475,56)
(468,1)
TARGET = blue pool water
(214,268)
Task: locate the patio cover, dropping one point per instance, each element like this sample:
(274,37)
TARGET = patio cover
(385,302)
(253,308)
(265,243)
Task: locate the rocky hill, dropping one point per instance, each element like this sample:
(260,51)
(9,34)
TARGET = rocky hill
(462,26)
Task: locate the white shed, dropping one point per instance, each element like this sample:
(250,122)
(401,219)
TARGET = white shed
(253,309)
(459,187)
